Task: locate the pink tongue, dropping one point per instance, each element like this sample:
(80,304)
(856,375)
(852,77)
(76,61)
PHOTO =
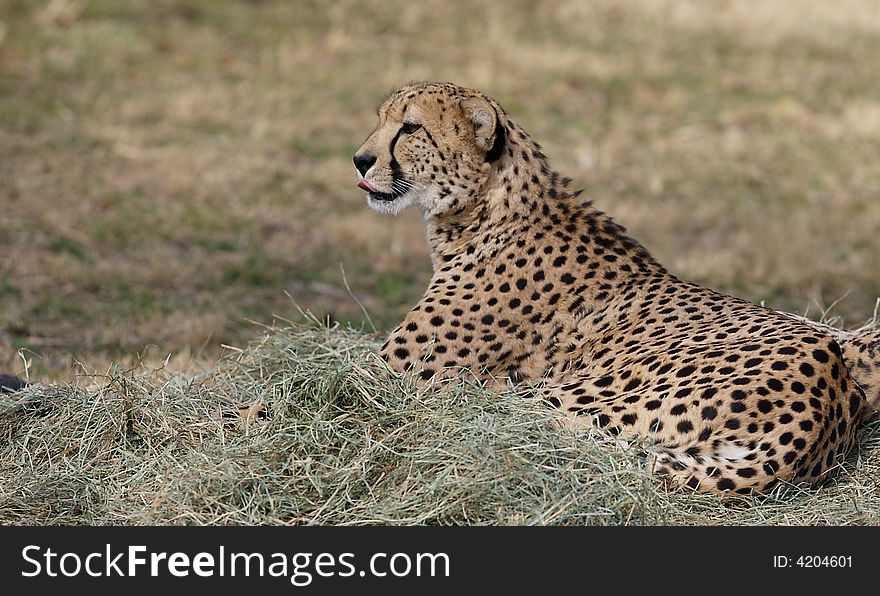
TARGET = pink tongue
(364,185)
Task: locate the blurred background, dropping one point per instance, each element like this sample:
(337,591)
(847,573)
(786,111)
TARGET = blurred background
(173,171)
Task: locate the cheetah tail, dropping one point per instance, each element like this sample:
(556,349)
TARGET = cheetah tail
(861,353)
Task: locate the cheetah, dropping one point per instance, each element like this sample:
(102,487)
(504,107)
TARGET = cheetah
(531,283)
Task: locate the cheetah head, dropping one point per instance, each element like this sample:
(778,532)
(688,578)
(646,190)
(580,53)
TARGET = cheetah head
(434,147)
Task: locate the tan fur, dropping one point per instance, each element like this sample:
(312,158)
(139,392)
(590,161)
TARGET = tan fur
(861,352)
(532,284)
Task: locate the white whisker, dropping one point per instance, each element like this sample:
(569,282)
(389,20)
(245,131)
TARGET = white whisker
(401,187)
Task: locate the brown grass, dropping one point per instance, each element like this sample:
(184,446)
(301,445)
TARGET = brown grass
(168,170)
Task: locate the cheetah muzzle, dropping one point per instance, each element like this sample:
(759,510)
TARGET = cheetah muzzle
(532,283)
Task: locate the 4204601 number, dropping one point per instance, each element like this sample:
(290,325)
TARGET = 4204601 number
(814,561)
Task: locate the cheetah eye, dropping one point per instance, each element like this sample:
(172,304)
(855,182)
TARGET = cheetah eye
(409,127)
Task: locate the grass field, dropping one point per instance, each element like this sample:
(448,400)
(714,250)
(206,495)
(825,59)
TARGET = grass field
(171,170)
(174,174)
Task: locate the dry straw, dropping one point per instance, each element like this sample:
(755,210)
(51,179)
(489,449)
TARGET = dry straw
(308,426)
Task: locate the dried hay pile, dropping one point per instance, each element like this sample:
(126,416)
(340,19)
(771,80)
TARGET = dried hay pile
(308,426)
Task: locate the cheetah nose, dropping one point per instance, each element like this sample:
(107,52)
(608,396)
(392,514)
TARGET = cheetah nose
(364,162)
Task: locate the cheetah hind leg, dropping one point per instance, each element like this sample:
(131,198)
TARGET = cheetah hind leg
(730,470)
(725,468)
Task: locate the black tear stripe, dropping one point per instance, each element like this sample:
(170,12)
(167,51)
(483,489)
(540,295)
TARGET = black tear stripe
(497,149)
(430,138)
(396,172)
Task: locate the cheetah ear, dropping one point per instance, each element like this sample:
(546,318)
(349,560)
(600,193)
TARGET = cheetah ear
(482,115)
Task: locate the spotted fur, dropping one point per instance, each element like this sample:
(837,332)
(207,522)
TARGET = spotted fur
(531,283)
